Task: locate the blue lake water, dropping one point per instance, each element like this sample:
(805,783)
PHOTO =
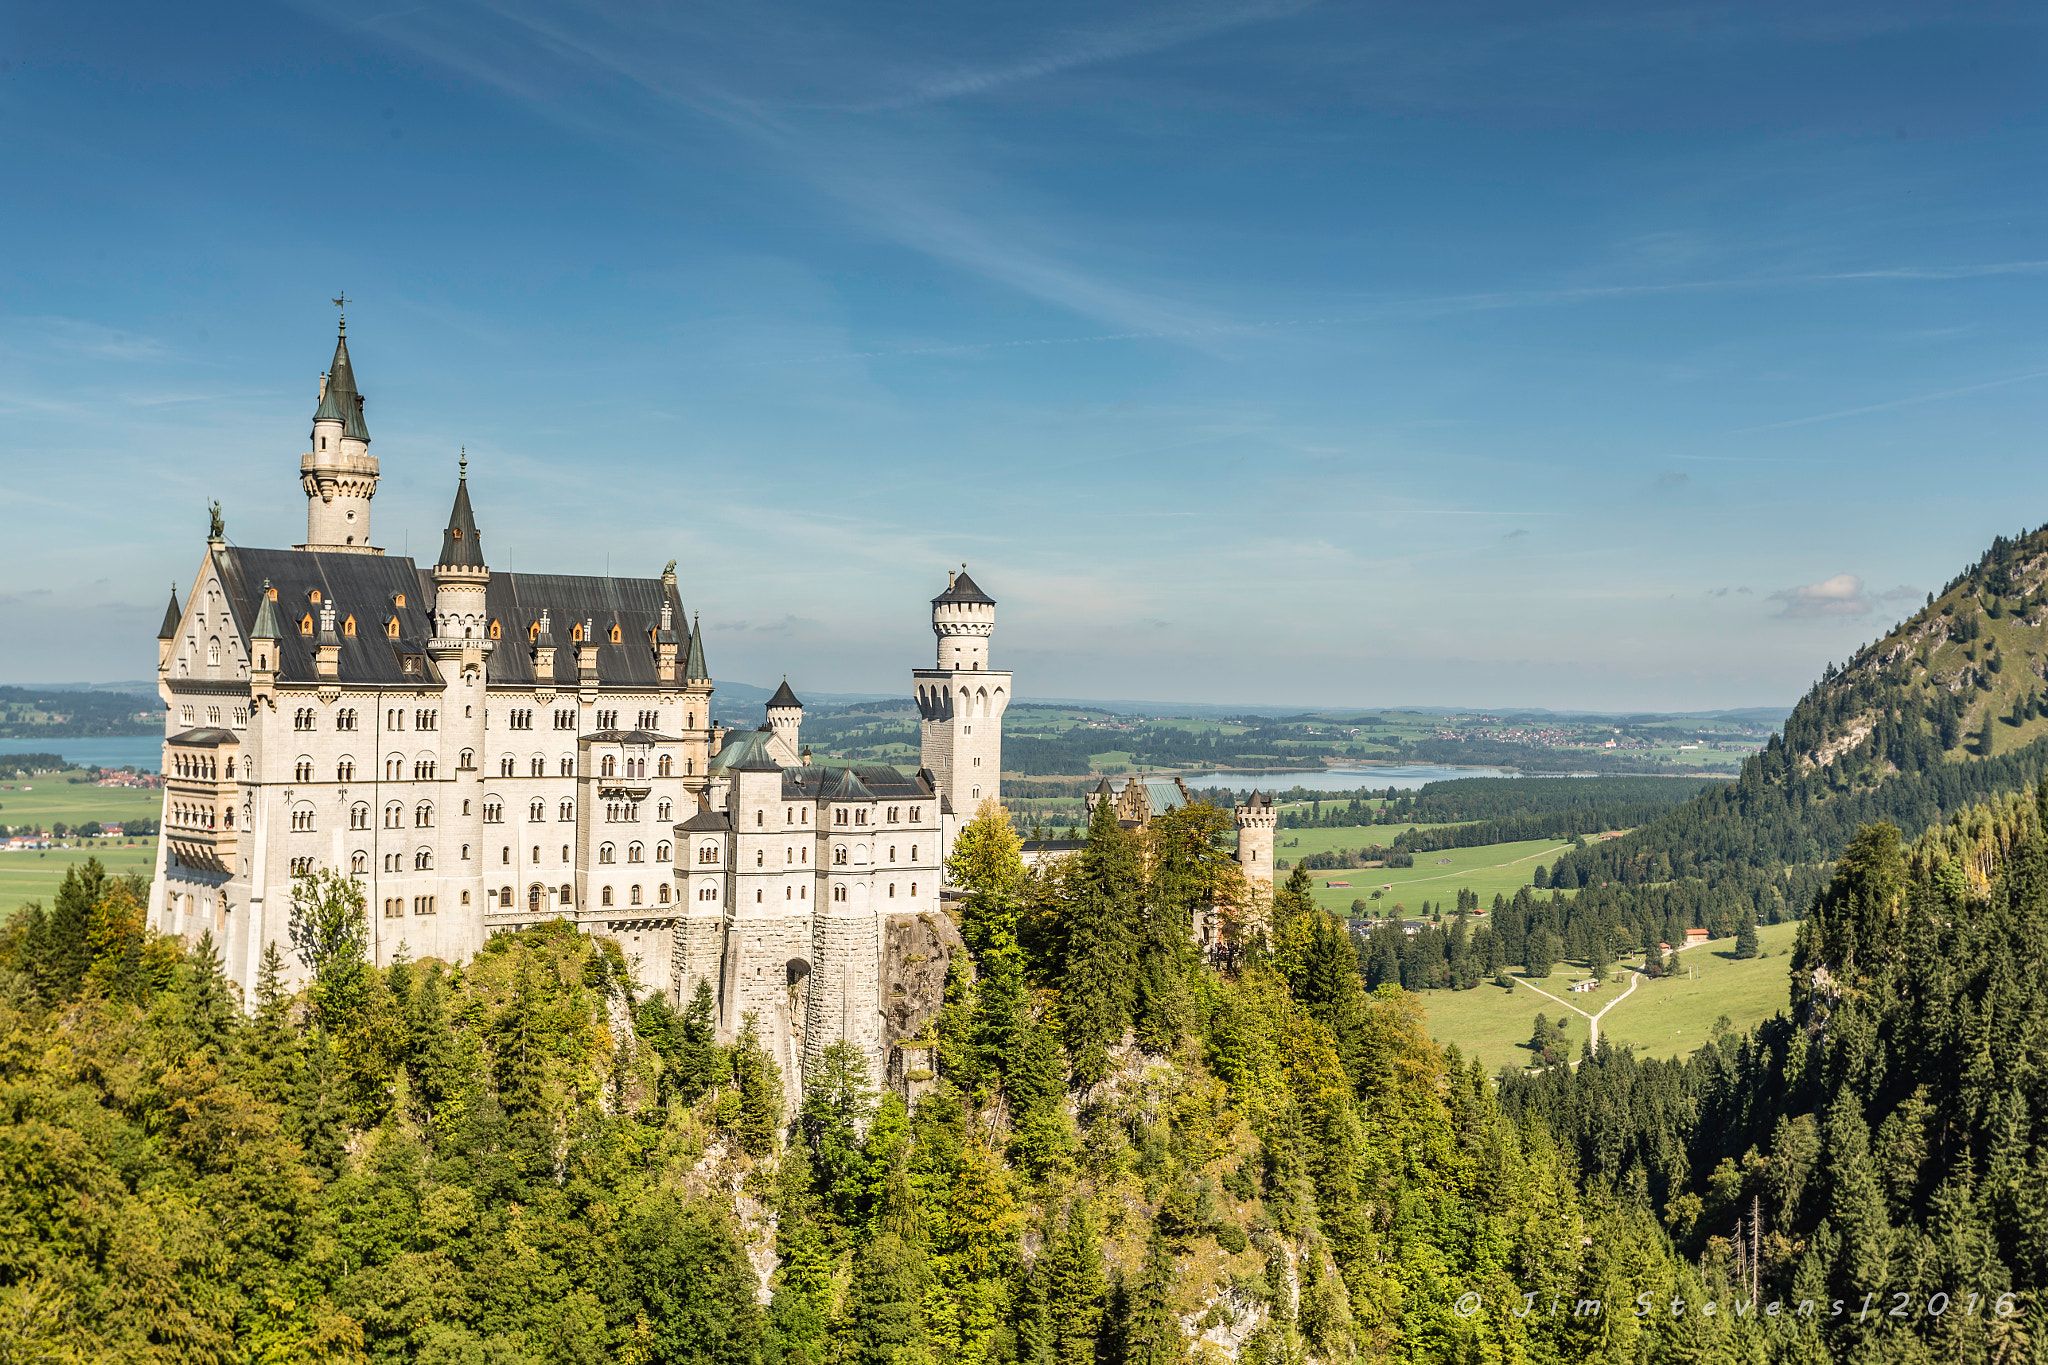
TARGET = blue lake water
(141,752)
(1405,776)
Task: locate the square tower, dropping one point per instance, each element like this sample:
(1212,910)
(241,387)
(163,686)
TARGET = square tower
(961,700)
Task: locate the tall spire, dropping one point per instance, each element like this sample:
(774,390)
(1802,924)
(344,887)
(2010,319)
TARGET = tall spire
(266,627)
(694,670)
(339,399)
(461,547)
(172,616)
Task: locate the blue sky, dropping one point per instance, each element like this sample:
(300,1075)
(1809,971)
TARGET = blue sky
(1613,356)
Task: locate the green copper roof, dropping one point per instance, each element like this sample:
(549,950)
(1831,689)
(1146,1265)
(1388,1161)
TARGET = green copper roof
(694,670)
(339,401)
(266,618)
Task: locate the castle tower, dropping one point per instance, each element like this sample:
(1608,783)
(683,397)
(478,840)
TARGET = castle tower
(785,720)
(339,473)
(961,700)
(1256,820)
(460,646)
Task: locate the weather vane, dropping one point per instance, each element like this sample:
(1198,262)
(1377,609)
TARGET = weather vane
(342,304)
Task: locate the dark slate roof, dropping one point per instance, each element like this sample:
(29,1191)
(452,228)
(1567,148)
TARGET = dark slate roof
(205,737)
(460,546)
(362,586)
(515,600)
(963,590)
(705,820)
(853,782)
(784,698)
(339,401)
(172,616)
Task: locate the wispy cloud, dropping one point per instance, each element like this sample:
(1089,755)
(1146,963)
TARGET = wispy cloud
(1840,597)
(1909,401)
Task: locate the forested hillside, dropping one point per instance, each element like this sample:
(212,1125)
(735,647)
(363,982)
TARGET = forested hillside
(1128,1154)
(1884,1142)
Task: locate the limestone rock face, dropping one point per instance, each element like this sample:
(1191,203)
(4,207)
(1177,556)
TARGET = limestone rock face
(916,952)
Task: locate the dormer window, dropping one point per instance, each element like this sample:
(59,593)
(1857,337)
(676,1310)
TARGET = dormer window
(615,634)
(273,594)
(495,632)
(533,633)
(398,599)
(314,597)
(457,530)
(391,628)
(306,624)
(348,627)
(576,634)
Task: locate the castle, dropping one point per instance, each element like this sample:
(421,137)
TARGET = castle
(481,750)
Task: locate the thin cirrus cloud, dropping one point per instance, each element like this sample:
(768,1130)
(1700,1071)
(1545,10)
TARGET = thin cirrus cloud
(906,185)
(1843,595)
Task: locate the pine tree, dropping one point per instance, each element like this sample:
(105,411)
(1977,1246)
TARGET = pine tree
(1074,1290)
(1149,1333)
(1745,933)
(1096,998)
(208,996)
(760,1085)
(883,1322)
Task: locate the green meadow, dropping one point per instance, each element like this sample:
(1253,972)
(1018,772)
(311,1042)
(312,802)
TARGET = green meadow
(1666,1018)
(1489,869)
(48,798)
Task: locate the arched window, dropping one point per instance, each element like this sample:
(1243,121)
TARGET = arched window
(423,816)
(606,897)
(605,853)
(664,811)
(636,853)
(213,653)
(358,864)
(839,893)
(567,811)
(538,767)
(707,853)
(495,631)
(607,768)
(394,816)
(423,861)
(467,762)
(345,770)
(661,896)
(633,896)
(568,767)
(538,810)
(505,897)
(359,817)
(567,893)
(665,768)
(662,851)
(505,766)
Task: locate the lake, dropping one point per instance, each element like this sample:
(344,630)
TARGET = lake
(142,752)
(1405,776)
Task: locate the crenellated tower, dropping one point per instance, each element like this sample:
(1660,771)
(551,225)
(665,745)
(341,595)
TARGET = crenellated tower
(961,700)
(1256,821)
(339,472)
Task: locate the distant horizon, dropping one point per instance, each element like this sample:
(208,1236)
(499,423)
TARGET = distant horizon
(1124,706)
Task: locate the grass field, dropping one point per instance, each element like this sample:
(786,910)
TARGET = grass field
(35,873)
(43,801)
(1489,869)
(1666,1018)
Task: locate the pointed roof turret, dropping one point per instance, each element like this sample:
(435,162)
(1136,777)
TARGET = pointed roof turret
(784,699)
(461,548)
(961,588)
(266,627)
(172,616)
(339,400)
(694,670)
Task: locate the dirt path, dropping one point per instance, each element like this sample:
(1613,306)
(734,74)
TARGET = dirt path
(1636,978)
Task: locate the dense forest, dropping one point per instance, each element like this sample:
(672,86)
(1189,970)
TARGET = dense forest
(1130,1152)
(1881,1145)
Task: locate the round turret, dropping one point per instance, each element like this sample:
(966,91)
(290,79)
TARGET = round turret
(963,617)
